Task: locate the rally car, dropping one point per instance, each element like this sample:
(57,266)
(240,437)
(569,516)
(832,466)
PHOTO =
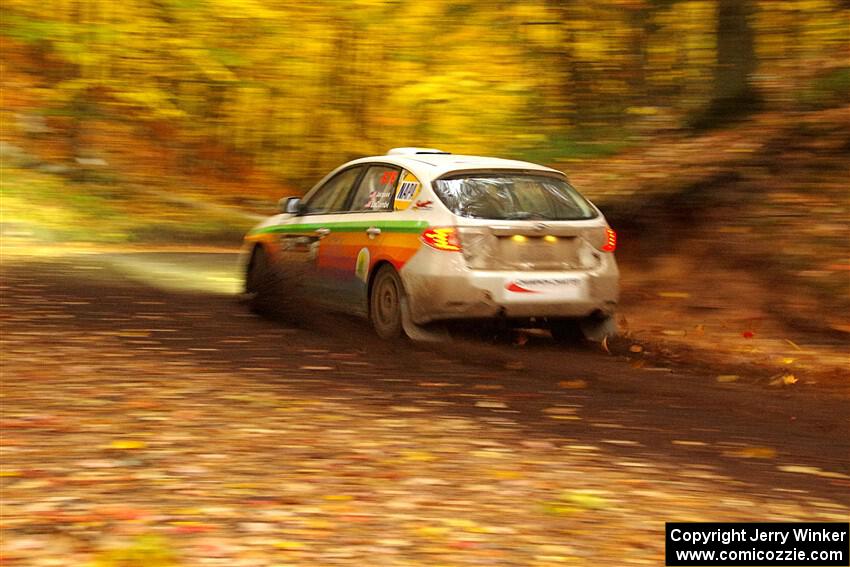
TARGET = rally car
(420,236)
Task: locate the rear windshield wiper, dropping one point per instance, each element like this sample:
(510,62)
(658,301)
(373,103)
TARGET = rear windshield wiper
(524,215)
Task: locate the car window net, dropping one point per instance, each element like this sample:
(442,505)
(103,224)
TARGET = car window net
(513,197)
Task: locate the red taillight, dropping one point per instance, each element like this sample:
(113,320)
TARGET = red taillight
(442,239)
(610,241)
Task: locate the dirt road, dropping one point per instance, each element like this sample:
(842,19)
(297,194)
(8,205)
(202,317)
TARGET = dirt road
(145,408)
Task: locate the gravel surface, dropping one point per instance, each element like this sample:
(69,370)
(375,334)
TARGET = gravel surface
(150,424)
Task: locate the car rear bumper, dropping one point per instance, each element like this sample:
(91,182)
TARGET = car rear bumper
(440,286)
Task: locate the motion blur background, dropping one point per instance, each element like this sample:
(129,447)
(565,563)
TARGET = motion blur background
(150,420)
(714,128)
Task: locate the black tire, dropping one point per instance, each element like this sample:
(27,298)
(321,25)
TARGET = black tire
(597,328)
(566,331)
(260,282)
(385,303)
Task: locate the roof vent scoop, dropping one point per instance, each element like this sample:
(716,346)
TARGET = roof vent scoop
(414,151)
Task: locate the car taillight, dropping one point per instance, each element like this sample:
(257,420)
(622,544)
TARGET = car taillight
(610,243)
(442,238)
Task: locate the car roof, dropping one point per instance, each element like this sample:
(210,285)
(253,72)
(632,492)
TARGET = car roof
(437,164)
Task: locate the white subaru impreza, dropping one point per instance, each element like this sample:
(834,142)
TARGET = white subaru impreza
(420,236)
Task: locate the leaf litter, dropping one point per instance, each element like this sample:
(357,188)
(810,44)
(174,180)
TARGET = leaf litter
(116,453)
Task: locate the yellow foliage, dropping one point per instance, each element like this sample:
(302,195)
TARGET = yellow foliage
(298,86)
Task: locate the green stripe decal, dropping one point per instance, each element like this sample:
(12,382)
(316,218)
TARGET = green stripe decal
(385,226)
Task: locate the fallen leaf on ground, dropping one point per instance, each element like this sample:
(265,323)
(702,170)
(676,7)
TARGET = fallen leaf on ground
(584,500)
(784,380)
(490,404)
(800,469)
(289,545)
(753,453)
(432,531)
(127,444)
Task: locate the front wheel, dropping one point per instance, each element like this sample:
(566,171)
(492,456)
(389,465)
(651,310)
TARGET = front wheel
(260,282)
(385,303)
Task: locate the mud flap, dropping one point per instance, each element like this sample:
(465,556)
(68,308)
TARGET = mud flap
(418,333)
(596,329)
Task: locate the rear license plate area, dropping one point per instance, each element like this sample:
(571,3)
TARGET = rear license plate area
(542,289)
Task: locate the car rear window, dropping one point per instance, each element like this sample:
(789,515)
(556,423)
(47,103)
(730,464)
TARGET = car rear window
(512,196)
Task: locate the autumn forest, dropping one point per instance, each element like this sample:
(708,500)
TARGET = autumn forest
(291,88)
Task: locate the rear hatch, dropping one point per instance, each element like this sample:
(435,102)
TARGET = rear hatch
(522,220)
(540,247)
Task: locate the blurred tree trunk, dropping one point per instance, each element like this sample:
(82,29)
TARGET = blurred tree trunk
(640,22)
(570,105)
(734,94)
(77,105)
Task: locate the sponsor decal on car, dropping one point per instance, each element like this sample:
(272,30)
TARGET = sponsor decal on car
(516,288)
(361,267)
(541,285)
(389,177)
(408,190)
(378,200)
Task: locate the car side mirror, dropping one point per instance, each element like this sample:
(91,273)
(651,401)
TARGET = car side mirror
(291,205)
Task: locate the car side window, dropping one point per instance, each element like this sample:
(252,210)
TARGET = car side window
(376,189)
(331,197)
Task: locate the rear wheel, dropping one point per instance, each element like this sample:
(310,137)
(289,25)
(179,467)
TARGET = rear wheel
(597,328)
(591,329)
(385,303)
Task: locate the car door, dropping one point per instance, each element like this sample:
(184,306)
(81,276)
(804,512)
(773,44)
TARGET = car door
(303,239)
(349,251)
